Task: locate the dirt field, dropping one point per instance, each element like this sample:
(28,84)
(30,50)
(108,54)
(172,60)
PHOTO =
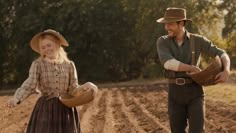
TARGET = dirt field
(127,109)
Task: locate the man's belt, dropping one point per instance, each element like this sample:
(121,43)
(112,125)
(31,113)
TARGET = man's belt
(180,81)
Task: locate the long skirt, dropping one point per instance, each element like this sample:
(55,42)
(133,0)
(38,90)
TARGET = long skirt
(51,116)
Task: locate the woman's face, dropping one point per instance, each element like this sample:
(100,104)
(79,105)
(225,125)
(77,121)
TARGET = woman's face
(49,47)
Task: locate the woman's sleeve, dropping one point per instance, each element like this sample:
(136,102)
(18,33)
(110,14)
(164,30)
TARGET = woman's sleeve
(73,83)
(30,84)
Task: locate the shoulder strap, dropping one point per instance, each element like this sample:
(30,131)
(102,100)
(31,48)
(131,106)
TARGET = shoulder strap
(192,45)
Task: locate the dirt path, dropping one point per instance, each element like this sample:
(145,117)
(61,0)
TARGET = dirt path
(130,109)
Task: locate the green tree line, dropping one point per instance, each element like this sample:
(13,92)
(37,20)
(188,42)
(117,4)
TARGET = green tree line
(110,40)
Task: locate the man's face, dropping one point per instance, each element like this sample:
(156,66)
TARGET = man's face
(172,28)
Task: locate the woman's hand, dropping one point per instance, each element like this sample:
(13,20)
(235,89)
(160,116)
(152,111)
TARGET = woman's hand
(12,102)
(88,86)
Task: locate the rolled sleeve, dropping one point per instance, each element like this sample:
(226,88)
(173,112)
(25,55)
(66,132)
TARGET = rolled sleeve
(172,64)
(163,51)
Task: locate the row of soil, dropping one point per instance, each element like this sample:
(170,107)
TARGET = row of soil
(128,109)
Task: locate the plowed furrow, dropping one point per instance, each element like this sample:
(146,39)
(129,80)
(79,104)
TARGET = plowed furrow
(153,106)
(213,127)
(156,107)
(98,119)
(20,114)
(125,122)
(219,123)
(109,119)
(148,123)
(220,119)
(127,109)
(226,111)
(82,109)
(87,124)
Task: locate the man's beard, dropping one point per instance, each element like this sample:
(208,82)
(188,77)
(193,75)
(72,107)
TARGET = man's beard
(172,34)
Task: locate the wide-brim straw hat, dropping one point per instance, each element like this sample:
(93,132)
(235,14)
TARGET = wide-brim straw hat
(207,76)
(34,43)
(174,14)
(83,97)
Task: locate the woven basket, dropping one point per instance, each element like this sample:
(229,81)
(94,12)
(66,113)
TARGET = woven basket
(81,99)
(207,76)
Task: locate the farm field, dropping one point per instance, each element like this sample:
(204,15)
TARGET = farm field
(132,109)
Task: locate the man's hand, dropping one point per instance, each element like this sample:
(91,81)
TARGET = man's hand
(222,76)
(193,69)
(189,69)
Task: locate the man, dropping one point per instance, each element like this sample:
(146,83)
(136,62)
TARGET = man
(185,97)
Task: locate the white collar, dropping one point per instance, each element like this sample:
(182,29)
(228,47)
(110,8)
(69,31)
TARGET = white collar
(56,61)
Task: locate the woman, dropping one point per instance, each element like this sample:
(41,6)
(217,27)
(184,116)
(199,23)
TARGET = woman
(53,75)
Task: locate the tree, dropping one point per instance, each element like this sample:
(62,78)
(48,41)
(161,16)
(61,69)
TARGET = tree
(228,8)
(109,40)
